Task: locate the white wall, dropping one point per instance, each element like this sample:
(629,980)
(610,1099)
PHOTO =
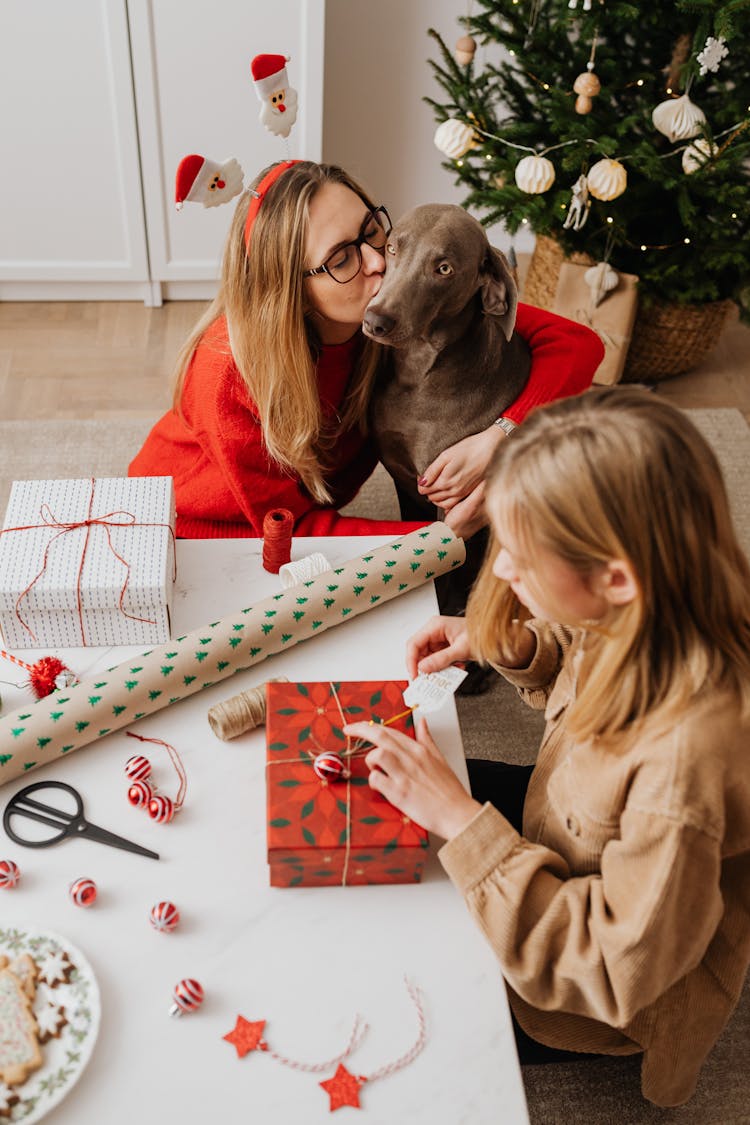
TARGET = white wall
(375,123)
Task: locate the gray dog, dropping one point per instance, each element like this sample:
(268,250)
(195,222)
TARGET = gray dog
(447,306)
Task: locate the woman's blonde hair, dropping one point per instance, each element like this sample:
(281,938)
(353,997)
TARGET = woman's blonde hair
(619,474)
(272,334)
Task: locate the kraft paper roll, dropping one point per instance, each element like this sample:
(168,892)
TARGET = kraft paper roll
(67,720)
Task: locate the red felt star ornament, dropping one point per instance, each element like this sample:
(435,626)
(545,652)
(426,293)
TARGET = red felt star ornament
(343,1089)
(247,1036)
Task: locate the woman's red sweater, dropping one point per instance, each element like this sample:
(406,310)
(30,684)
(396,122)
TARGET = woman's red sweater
(224,479)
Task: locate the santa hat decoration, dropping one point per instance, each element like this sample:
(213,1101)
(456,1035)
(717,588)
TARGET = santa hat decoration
(200,180)
(269,74)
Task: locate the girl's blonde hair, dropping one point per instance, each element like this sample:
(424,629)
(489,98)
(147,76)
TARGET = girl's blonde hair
(619,474)
(271,330)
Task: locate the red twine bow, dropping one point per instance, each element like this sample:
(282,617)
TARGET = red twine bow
(107,521)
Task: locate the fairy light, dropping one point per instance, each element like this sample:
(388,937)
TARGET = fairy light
(639,82)
(686,241)
(610,219)
(734,214)
(459,163)
(644,247)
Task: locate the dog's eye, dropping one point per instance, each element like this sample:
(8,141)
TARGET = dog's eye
(390,248)
(445,269)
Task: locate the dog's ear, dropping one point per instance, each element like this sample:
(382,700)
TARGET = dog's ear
(499,290)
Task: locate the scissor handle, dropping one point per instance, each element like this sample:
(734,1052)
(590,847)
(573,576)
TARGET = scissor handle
(22,805)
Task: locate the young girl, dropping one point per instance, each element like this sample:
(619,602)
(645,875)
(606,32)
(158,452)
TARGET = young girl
(272,386)
(617,598)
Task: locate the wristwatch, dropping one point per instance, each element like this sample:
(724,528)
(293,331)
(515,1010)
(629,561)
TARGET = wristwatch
(506,425)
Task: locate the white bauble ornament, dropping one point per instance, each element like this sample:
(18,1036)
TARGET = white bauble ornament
(601,280)
(678,118)
(535,174)
(696,154)
(607,179)
(454,138)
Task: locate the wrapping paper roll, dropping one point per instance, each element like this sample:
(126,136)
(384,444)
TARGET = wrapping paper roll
(70,719)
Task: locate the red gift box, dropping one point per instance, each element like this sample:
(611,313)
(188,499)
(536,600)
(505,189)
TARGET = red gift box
(334,832)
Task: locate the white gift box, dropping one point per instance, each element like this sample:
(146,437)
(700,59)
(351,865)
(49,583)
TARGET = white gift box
(92,562)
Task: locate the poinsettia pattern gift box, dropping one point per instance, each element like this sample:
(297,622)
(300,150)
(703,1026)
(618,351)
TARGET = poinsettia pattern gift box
(327,830)
(87,562)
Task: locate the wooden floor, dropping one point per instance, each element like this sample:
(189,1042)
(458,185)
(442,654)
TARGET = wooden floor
(114,360)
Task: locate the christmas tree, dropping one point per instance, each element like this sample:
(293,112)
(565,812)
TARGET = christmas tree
(569,103)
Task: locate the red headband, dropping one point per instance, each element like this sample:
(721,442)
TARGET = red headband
(258,193)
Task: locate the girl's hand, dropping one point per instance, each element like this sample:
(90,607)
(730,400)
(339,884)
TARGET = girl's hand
(468,515)
(442,641)
(460,468)
(415,777)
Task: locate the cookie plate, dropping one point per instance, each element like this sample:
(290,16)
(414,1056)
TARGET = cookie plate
(70,984)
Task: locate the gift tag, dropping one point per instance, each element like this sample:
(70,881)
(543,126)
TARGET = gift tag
(430,691)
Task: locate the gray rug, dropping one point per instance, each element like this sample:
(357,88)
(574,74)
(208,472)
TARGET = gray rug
(495,725)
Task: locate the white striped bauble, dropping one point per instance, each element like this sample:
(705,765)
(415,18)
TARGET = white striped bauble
(140,793)
(83,892)
(138,768)
(187,995)
(161,809)
(164,917)
(329,766)
(9,874)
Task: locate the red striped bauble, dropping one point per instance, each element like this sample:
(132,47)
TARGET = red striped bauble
(140,793)
(83,892)
(161,809)
(9,874)
(138,768)
(187,995)
(329,766)
(164,917)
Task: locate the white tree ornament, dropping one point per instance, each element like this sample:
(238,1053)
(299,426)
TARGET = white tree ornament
(535,174)
(697,155)
(607,179)
(453,138)
(714,51)
(679,119)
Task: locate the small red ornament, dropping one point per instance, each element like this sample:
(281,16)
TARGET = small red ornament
(247,1036)
(83,892)
(140,793)
(138,768)
(164,917)
(343,1089)
(161,809)
(9,874)
(329,766)
(187,995)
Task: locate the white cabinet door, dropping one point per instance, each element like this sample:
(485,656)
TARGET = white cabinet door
(195,94)
(71,208)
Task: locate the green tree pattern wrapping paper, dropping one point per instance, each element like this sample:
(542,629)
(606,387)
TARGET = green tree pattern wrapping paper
(74,717)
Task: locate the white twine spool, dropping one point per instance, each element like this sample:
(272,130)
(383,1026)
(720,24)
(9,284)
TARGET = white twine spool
(302,570)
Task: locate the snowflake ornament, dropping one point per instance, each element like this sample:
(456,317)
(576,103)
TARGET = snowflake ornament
(714,51)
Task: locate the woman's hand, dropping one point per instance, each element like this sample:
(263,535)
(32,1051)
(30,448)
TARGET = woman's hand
(442,641)
(468,515)
(415,777)
(460,468)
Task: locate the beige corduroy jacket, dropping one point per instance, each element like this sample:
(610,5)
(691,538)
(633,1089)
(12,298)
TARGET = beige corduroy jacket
(621,918)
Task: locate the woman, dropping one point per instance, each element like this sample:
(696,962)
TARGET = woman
(272,386)
(617,598)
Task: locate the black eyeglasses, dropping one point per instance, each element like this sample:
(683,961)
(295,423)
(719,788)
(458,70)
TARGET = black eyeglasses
(345,263)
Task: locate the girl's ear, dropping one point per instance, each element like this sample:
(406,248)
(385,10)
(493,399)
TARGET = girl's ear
(617,583)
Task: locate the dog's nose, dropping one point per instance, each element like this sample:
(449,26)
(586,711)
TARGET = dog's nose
(379,324)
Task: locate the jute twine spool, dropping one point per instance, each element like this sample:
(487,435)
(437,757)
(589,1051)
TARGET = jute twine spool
(242,712)
(668,338)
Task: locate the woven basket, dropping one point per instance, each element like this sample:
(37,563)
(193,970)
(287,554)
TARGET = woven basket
(667,338)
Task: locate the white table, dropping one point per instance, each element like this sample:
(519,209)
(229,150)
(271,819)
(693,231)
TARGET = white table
(305,960)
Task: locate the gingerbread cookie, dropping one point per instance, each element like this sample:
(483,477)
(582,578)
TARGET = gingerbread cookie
(51,1019)
(55,969)
(19,1048)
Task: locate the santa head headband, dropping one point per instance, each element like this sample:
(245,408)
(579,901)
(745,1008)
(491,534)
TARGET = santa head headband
(259,192)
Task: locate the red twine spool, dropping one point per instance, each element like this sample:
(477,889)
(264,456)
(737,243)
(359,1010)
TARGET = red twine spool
(278,526)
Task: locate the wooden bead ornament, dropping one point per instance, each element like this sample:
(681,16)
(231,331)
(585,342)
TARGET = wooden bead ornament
(187,996)
(465,50)
(140,793)
(329,766)
(164,917)
(9,874)
(83,892)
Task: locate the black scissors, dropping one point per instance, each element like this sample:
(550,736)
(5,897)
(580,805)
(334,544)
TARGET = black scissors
(66,823)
